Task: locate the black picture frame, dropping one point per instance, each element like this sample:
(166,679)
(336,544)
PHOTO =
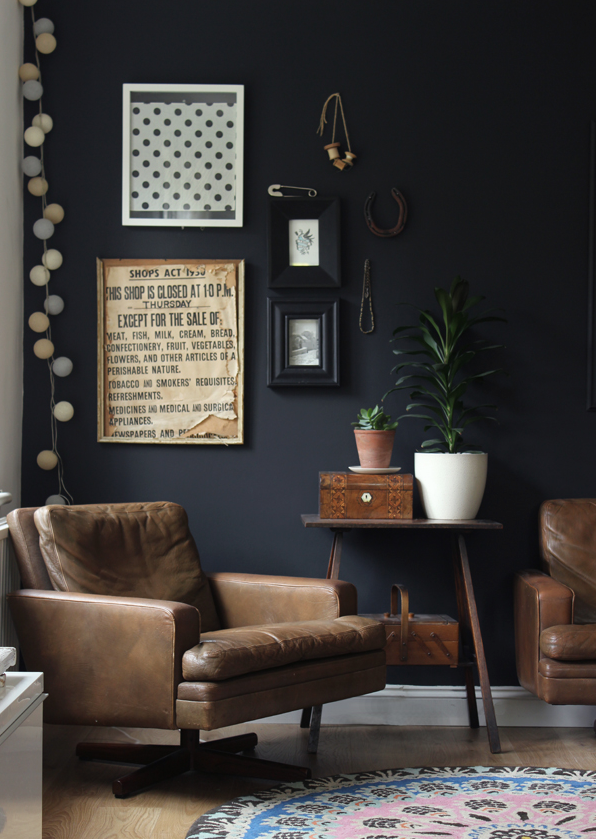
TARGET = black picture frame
(282,274)
(292,321)
(591,383)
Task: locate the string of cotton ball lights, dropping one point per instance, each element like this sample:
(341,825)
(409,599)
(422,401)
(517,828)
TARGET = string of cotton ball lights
(40,275)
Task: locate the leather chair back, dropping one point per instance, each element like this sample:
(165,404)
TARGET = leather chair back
(568,550)
(25,540)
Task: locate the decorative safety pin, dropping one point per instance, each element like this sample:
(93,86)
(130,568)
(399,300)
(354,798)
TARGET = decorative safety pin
(274,189)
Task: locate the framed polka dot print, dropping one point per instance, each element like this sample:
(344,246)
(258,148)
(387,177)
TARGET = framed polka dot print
(182,155)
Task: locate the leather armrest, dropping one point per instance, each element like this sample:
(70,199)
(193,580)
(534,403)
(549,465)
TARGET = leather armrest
(255,599)
(106,660)
(540,602)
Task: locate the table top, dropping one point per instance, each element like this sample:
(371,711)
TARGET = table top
(313,520)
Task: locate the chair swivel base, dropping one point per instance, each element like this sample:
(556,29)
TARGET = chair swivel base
(162,762)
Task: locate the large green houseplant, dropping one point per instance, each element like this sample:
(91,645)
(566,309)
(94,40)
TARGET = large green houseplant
(440,362)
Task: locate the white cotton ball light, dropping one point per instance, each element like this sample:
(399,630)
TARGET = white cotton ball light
(53,305)
(38,186)
(31,166)
(43,348)
(39,275)
(39,322)
(28,72)
(52,258)
(56,499)
(43,121)
(34,136)
(32,90)
(45,43)
(62,366)
(44,24)
(43,228)
(63,411)
(54,212)
(47,459)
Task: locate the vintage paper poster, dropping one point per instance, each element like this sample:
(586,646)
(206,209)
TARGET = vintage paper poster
(170,350)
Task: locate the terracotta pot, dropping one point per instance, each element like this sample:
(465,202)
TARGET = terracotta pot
(374,447)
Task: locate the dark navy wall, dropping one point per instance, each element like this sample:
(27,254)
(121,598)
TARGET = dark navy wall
(480,114)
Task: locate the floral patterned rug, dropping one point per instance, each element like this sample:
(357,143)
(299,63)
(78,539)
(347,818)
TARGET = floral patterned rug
(475,802)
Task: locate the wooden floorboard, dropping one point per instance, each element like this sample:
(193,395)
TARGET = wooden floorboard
(78,801)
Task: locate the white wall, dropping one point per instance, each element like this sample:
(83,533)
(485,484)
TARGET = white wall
(11,249)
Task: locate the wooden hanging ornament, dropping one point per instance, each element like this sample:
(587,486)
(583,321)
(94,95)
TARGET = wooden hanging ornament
(333,148)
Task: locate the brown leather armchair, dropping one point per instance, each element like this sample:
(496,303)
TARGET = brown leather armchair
(555,609)
(129,631)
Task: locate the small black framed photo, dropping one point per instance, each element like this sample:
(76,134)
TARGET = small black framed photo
(303,342)
(304,243)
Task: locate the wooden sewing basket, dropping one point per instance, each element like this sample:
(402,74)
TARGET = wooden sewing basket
(418,639)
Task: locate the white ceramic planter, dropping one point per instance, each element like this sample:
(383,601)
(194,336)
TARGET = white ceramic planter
(450,486)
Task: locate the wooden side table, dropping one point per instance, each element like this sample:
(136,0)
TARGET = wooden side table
(472,645)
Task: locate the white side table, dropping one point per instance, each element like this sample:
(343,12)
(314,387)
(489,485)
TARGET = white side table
(21,738)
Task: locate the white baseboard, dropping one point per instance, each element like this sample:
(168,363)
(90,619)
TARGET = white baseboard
(413,705)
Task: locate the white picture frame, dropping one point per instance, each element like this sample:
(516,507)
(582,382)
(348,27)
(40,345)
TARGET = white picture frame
(182,155)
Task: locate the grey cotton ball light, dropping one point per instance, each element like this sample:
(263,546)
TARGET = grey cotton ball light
(53,306)
(43,228)
(62,366)
(44,24)
(31,166)
(32,90)
(56,499)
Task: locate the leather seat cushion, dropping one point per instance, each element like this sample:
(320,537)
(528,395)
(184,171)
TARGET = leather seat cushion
(552,669)
(126,550)
(572,642)
(233,652)
(280,677)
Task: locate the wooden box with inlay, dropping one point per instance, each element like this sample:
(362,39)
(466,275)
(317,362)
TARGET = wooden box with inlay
(345,495)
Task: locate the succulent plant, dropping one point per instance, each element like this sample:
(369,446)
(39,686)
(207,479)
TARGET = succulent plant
(373,419)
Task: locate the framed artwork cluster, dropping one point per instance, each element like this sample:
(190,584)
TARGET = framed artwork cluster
(304,253)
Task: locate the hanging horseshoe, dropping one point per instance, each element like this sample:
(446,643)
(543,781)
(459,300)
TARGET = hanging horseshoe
(390,231)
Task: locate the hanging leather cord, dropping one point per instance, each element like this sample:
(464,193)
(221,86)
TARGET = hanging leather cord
(323,120)
(390,231)
(366,295)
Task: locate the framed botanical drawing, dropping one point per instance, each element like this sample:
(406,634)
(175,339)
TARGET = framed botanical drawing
(170,350)
(182,155)
(304,243)
(303,342)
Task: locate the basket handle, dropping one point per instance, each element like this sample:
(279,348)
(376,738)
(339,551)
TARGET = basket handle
(405,599)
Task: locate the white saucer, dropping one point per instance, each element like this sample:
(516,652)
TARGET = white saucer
(367,470)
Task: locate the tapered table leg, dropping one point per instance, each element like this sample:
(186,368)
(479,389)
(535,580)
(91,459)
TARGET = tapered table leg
(315,730)
(335,556)
(471,626)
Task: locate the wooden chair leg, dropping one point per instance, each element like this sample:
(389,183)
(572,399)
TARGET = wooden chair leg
(315,730)
(211,760)
(174,764)
(123,752)
(163,762)
(305,718)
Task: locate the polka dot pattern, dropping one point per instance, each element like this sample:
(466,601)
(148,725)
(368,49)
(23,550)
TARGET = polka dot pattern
(196,141)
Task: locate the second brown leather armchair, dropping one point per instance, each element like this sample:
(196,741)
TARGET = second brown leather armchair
(129,631)
(555,608)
